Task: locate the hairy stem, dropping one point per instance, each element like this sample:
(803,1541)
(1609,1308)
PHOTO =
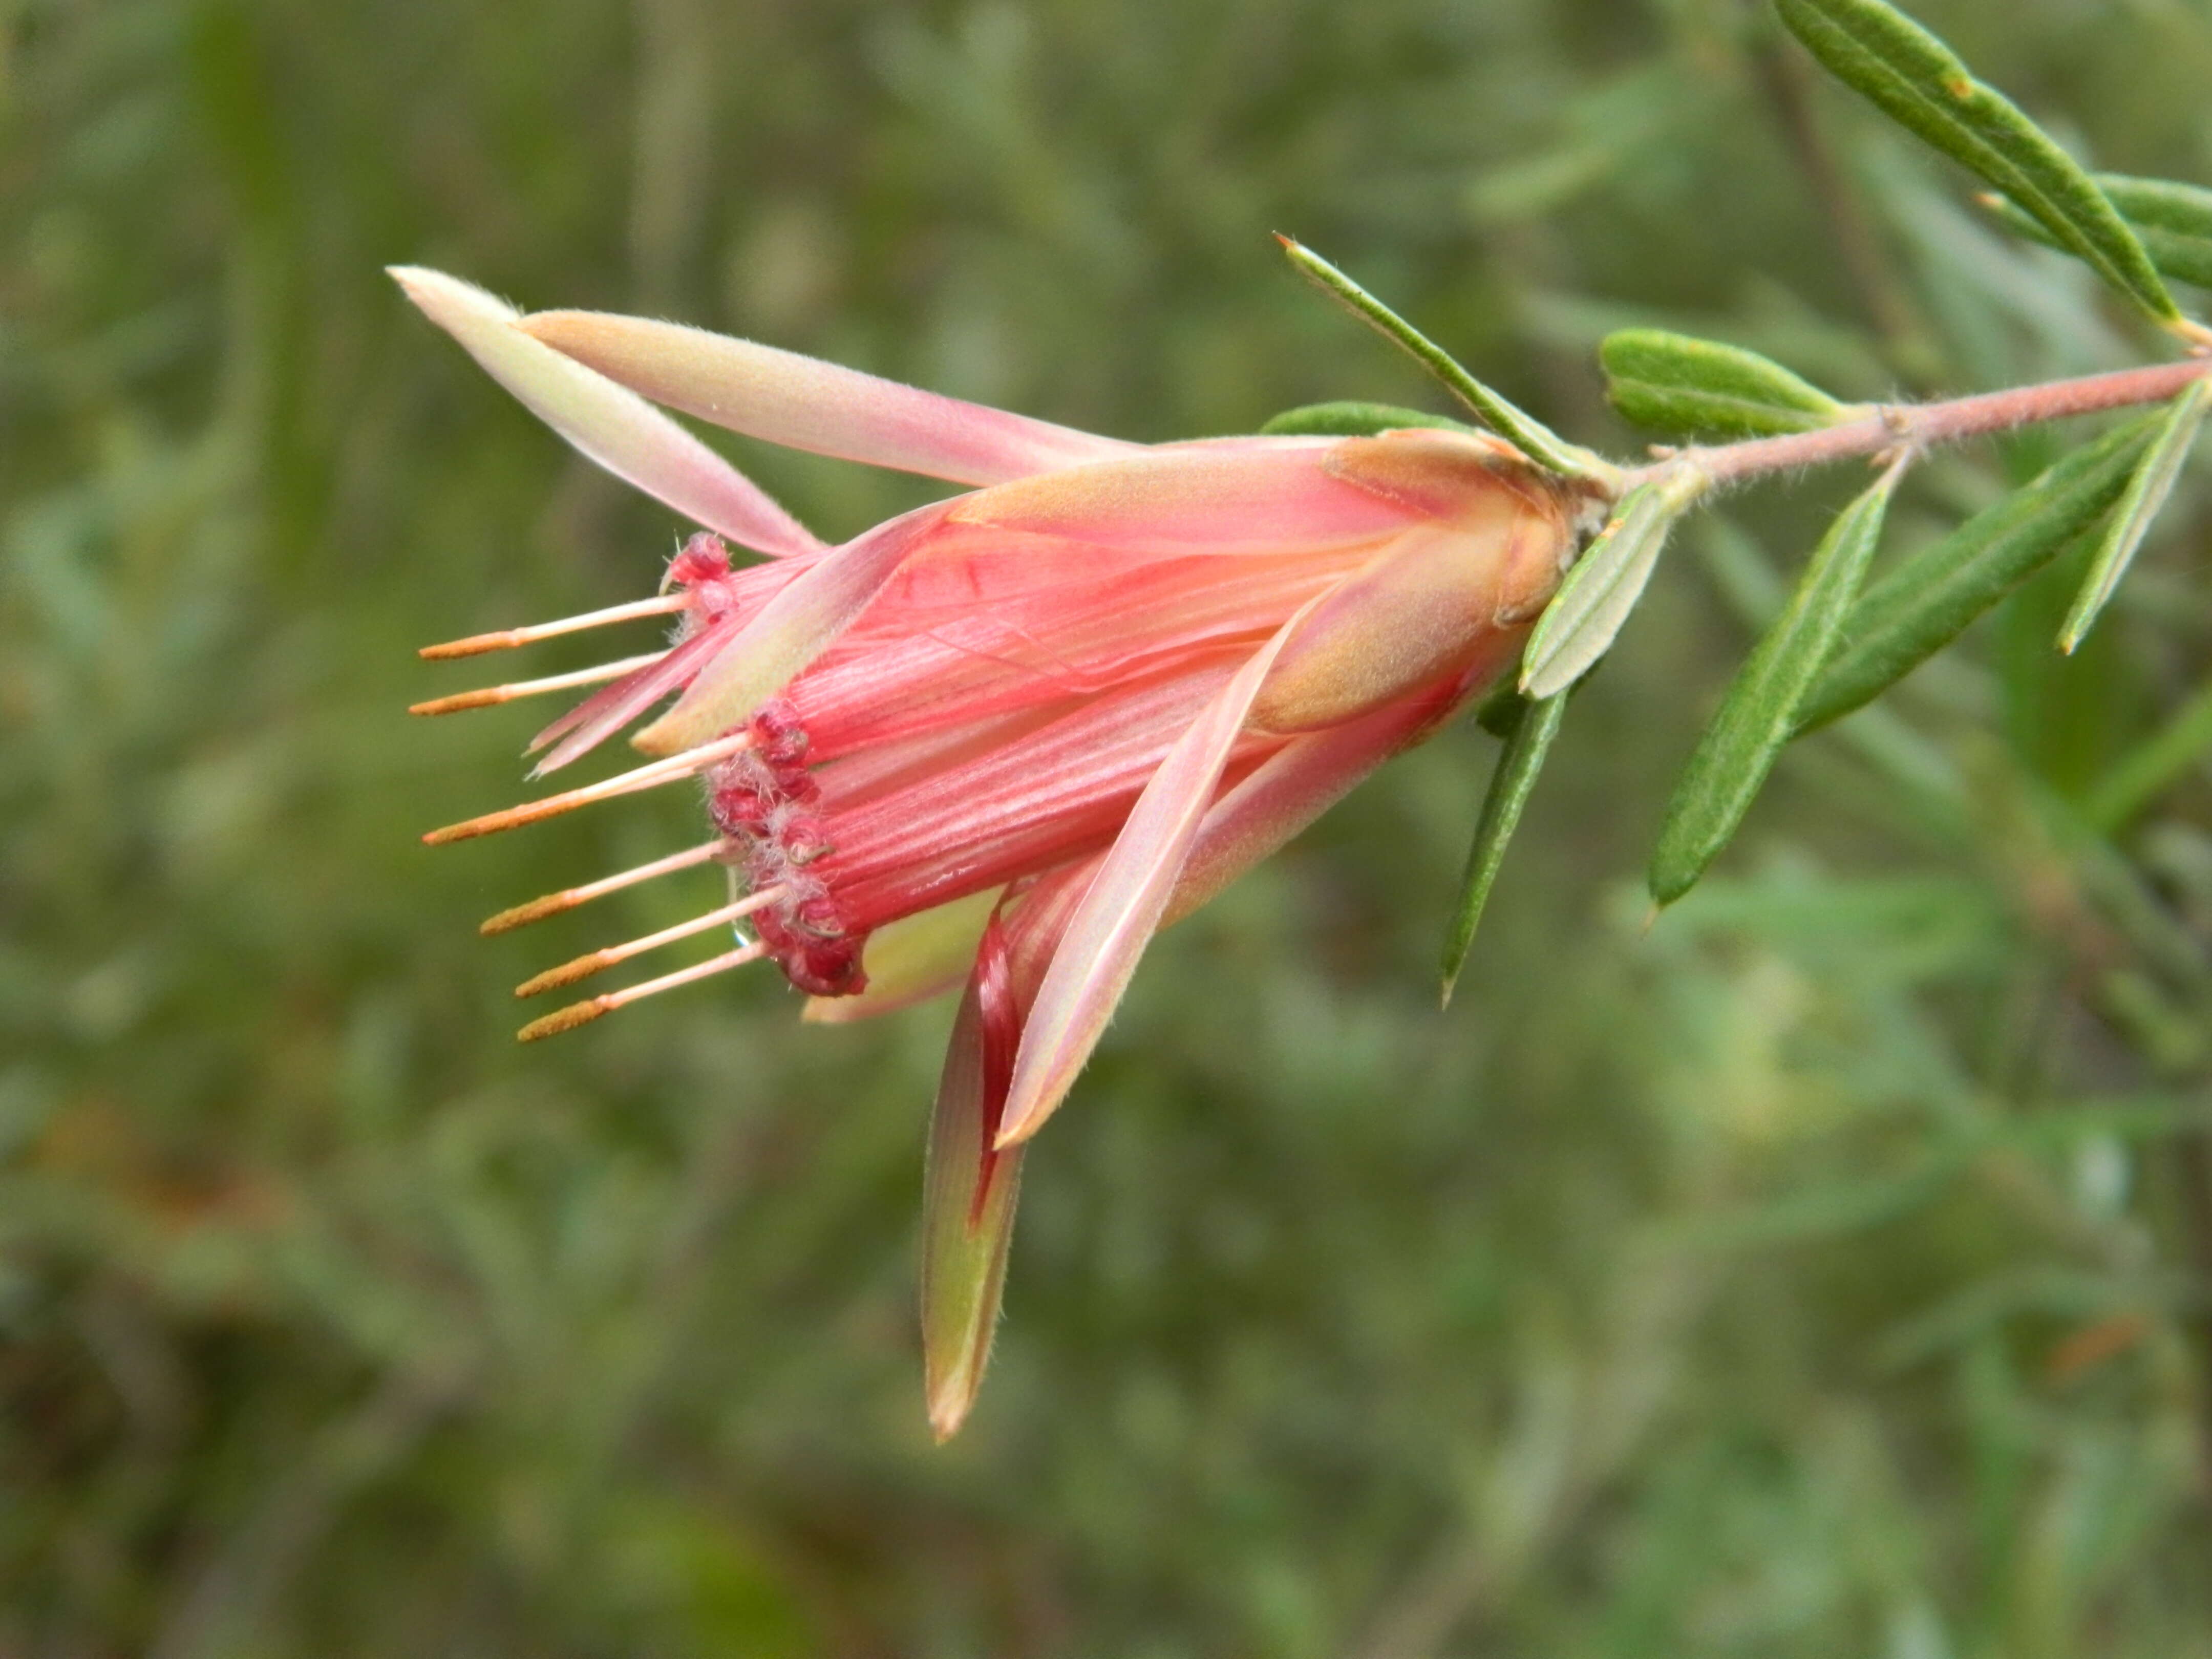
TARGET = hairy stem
(1921,425)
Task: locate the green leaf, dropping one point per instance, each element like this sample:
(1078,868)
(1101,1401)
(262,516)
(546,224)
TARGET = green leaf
(1524,432)
(1603,587)
(1510,784)
(2164,204)
(1921,84)
(1676,383)
(2172,221)
(1352,420)
(1926,602)
(2148,486)
(1756,717)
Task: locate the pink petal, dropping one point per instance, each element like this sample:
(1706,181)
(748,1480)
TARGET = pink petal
(925,657)
(1250,495)
(803,403)
(1117,916)
(789,633)
(1442,596)
(616,428)
(1297,784)
(968,1188)
(1060,791)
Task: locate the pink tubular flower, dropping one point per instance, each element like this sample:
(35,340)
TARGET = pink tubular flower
(1004,737)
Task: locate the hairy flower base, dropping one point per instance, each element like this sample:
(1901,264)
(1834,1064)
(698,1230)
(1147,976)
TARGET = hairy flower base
(1005,737)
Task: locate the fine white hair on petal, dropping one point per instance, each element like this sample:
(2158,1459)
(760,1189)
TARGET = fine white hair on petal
(609,423)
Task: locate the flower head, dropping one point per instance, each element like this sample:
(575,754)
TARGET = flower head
(1003,738)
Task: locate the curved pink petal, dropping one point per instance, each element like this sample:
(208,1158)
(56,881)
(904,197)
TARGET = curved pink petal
(1295,784)
(1124,906)
(804,403)
(787,634)
(1441,598)
(612,426)
(1277,497)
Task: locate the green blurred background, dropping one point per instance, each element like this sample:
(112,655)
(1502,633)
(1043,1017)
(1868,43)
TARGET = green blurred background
(1822,1271)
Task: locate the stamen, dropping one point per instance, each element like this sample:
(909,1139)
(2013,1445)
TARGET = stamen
(569,897)
(649,776)
(591,962)
(583,1013)
(498,693)
(507,638)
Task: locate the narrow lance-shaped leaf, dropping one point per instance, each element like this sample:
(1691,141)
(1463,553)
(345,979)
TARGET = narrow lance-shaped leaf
(1921,84)
(1732,759)
(1579,624)
(1352,420)
(1676,383)
(2148,486)
(1531,436)
(2172,221)
(1526,743)
(2161,203)
(1921,606)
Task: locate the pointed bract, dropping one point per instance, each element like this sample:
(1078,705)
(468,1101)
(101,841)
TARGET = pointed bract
(1116,920)
(612,426)
(803,403)
(968,1188)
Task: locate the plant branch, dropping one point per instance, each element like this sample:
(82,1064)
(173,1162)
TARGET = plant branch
(1920,426)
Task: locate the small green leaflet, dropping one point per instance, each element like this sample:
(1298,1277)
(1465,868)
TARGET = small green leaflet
(1527,742)
(1352,420)
(2149,485)
(1920,83)
(1523,431)
(1759,711)
(2172,221)
(1926,602)
(1678,384)
(1603,587)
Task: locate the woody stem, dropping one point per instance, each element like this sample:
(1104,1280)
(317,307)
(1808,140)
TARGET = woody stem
(1920,426)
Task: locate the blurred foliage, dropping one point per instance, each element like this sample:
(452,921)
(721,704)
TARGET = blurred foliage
(1823,1271)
